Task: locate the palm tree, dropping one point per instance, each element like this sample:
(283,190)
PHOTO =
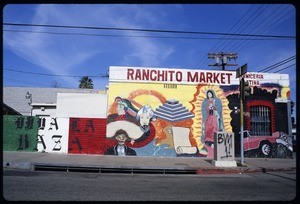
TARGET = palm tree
(86,83)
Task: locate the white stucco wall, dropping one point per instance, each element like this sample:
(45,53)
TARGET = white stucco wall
(81,105)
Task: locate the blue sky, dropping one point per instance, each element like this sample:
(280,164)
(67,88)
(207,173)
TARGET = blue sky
(80,55)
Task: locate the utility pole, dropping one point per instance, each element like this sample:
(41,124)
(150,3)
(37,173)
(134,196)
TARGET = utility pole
(242,118)
(244,91)
(223,57)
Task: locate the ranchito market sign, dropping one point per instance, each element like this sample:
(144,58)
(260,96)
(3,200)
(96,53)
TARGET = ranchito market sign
(189,76)
(175,76)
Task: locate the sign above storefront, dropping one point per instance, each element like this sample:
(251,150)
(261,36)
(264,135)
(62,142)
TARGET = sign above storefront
(189,76)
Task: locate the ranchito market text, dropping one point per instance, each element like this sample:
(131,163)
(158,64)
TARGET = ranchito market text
(178,76)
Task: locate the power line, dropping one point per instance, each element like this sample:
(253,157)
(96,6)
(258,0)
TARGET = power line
(278,64)
(285,68)
(137,36)
(270,23)
(246,24)
(243,26)
(44,74)
(204,56)
(146,30)
(31,82)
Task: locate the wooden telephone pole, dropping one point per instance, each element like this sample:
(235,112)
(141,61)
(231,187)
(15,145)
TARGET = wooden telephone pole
(223,57)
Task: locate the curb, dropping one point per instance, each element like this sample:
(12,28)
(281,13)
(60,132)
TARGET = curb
(137,170)
(242,170)
(17,165)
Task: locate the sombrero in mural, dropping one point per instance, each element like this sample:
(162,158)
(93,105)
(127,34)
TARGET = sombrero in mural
(133,130)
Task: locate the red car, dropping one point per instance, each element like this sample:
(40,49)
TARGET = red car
(265,144)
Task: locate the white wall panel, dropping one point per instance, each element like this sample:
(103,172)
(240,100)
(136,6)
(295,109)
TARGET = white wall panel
(81,105)
(53,135)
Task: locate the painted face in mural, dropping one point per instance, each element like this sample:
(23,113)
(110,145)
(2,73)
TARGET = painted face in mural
(121,138)
(145,116)
(121,108)
(210,95)
(145,119)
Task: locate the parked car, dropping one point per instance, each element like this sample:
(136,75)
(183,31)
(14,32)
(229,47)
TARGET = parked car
(264,144)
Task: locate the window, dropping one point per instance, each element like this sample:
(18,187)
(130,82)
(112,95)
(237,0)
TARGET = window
(260,121)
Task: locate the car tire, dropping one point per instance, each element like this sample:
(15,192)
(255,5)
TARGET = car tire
(265,149)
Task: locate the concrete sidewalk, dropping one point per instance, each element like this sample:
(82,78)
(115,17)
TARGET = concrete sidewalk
(37,160)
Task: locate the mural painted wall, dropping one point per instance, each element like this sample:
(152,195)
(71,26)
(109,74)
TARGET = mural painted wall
(166,113)
(172,112)
(53,135)
(20,133)
(88,136)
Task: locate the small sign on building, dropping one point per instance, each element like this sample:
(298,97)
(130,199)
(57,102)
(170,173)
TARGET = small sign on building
(224,149)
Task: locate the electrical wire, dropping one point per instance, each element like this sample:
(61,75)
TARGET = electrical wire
(146,30)
(248,40)
(204,56)
(31,82)
(44,74)
(246,24)
(136,36)
(284,68)
(270,23)
(278,64)
(243,26)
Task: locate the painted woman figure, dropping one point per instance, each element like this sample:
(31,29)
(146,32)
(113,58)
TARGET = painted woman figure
(212,118)
(125,111)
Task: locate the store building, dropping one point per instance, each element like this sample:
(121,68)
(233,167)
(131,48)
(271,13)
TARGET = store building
(166,113)
(178,110)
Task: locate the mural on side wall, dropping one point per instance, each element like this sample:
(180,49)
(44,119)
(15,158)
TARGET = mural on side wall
(212,121)
(186,115)
(166,113)
(20,133)
(171,127)
(53,135)
(87,136)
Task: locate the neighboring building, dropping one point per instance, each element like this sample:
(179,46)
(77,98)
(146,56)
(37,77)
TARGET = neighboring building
(82,105)
(9,111)
(39,101)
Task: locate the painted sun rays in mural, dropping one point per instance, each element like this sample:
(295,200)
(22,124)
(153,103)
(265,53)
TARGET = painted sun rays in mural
(143,96)
(198,119)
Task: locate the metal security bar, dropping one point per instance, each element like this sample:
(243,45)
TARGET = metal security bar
(260,120)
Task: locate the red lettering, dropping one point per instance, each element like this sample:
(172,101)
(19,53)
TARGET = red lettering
(192,78)
(202,77)
(160,75)
(138,74)
(153,77)
(259,76)
(209,77)
(145,74)
(130,74)
(179,76)
(228,75)
(171,75)
(223,78)
(216,75)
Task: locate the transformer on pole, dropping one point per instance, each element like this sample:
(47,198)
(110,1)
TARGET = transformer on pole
(223,57)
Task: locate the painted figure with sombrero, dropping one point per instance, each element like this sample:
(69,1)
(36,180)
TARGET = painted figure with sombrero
(121,149)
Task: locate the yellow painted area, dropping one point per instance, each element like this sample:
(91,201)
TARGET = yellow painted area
(284,92)
(183,93)
(198,119)
(153,94)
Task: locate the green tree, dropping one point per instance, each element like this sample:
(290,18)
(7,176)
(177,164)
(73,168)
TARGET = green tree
(86,83)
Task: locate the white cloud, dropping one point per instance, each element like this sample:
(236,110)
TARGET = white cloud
(62,54)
